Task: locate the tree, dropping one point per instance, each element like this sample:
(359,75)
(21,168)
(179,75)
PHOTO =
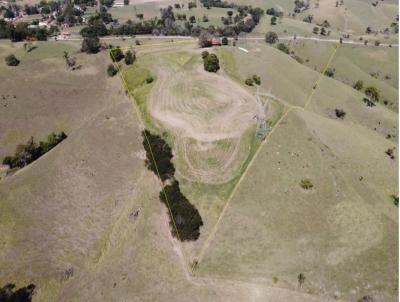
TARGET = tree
(211,63)
(205,18)
(116,54)
(126,2)
(224,41)
(192,19)
(373,93)
(301,279)
(330,72)
(359,85)
(249,82)
(273,20)
(340,113)
(204,54)
(90,45)
(69,61)
(111,70)
(205,39)
(11,60)
(130,57)
(323,31)
(256,79)
(271,37)
(315,30)
(368,30)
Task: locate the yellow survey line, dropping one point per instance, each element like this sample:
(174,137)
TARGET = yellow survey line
(291,107)
(320,77)
(151,152)
(214,230)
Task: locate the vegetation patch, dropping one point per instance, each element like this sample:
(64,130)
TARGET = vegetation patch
(25,154)
(9,293)
(306,184)
(185,220)
(211,61)
(186,217)
(159,155)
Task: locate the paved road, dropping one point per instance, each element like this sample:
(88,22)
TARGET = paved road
(286,38)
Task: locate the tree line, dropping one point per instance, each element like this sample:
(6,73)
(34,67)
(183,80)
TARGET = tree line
(185,220)
(29,152)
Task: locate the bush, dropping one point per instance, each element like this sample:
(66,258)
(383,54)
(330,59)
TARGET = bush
(395,199)
(330,72)
(373,93)
(340,113)
(224,41)
(184,217)
(90,45)
(273,20)
(149,79)
(211,63)
(116,54)
(25,154)
(130,57)
(111,70)
(204,54)
(306,184)
(315,30)
(368,102)
(390,152)
(11,60)
(282,47)
(256,79)
(159,155)
(249,82)
(271,37)
(359,85)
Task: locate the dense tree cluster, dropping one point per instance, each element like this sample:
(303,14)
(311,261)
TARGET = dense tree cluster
(29,152)
(185,216)
(20,31)
(9,293)
(185,220)
(211,61)
(159,155)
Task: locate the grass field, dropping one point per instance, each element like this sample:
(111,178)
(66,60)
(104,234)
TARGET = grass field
(67,220)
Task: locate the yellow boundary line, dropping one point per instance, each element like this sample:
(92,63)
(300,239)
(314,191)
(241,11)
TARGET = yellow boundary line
(151,152)
(214,229)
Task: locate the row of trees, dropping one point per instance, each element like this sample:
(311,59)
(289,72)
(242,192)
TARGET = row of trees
(21,31)
(29,152)
(185,219)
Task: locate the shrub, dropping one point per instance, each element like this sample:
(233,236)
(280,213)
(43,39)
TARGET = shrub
(205,18)
(158,155)
(111,70)
(366,299)
(273,20)
(359,85)
(224,41)
(116,54)
(11,60)
(395,199)
(271,37)
(315,30)
(130,57)
(301,279)
(368,102)
(149,79)
(373,93)
(256,79)
(249,82)
(390,153)
(340,113)
(211,63)
(330,72)
(306,184)
(184,217)
(282,47)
